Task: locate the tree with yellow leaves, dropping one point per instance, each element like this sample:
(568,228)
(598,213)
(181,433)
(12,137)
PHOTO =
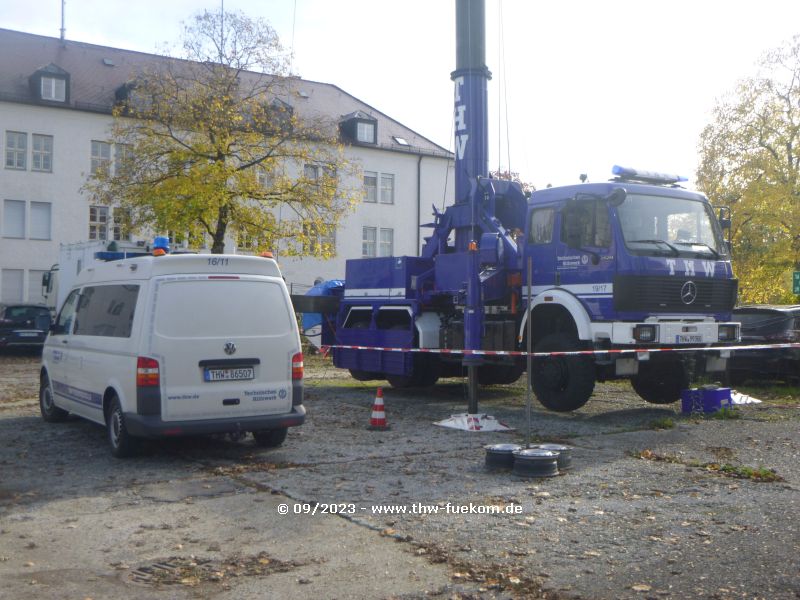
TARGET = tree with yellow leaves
(210,144)
(750,160)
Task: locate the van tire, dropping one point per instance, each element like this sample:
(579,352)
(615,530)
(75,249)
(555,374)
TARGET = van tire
(562,383)
(122,443)
(50,412)
(270,438)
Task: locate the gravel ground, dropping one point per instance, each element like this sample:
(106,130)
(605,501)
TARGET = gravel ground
(656,505)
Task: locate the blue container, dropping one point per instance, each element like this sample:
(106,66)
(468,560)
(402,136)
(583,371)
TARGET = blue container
(705,400)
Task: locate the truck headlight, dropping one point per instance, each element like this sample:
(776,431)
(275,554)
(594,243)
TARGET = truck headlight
(645,333)
(728,333)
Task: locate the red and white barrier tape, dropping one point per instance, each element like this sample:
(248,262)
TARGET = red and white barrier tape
(326,349)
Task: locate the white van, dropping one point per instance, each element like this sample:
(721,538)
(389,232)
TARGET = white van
(176,345)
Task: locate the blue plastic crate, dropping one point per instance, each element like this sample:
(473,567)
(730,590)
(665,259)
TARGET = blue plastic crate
(705,400)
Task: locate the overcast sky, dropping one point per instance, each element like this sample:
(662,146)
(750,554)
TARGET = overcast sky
(585,84)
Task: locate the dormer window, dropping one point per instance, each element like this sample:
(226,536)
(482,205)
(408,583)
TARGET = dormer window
(365,132)
(50,84)
(54,89)
(359,127)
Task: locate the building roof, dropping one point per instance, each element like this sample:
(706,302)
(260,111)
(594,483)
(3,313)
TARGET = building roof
(96,72)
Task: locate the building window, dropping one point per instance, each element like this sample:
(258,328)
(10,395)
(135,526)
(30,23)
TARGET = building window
(387,189)
(98,222)
(311,172)
(119,225)
(35,286)
(368,241)
(262,177)
(54,88)
(11,285)
(386,245)
(101,157)
(42,153)
(370,186)
(122,157)
(365,132)
(13,219)
(40,221)
(16,149)
(316,241)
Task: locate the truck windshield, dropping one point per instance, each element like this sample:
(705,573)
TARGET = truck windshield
(660,225)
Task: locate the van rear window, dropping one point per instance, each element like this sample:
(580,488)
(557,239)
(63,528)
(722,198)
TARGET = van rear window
(217,308)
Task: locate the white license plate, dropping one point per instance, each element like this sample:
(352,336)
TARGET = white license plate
(236,374)
(28,334)
(688,339)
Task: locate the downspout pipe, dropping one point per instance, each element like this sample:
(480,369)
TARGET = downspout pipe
(419,201)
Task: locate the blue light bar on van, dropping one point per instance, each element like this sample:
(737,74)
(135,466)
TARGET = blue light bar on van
(647,176)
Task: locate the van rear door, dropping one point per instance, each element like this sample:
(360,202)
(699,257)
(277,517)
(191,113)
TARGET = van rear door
(224,345)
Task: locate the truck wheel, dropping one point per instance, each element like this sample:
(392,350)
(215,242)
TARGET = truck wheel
(122,443)
(50,412)
(499,374)
(426,374)
(270,438)
(660,383)
(562,383)
(364,375)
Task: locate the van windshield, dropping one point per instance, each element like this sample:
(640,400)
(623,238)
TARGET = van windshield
(203,308)
(662,225)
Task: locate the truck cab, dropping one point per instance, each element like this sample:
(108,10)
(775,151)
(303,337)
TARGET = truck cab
(636,263)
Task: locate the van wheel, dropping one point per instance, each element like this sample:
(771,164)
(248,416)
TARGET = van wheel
(270,438)
(122,443)
(50,412)
(562,383)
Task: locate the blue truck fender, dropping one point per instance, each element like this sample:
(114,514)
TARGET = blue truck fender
(563,298)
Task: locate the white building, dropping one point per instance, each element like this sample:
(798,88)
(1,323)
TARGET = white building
(56,98)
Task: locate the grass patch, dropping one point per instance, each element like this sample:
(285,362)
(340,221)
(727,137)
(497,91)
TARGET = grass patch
(662,423)
(725,413)
(758,474)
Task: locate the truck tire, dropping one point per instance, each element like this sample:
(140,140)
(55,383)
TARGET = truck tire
(562,383)
(499,374)
(660,383)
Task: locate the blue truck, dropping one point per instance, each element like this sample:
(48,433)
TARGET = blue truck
(634,263)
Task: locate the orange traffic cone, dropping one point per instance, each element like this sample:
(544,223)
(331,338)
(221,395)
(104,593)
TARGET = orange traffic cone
(377,421)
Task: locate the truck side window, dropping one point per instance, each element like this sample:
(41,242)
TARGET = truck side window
(107,310)
(541,230)
(63,323)
(586,224)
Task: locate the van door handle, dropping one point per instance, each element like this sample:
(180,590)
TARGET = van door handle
(64,341)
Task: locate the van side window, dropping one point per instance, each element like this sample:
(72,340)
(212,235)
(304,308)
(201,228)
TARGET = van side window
(541,231)
(63,323)
(106,310)
(586,223)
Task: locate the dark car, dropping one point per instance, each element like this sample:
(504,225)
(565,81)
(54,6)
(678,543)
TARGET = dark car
(23,325)
(767,324)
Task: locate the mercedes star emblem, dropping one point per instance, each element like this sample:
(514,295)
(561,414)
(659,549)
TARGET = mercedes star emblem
(689,292)
(230,348)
